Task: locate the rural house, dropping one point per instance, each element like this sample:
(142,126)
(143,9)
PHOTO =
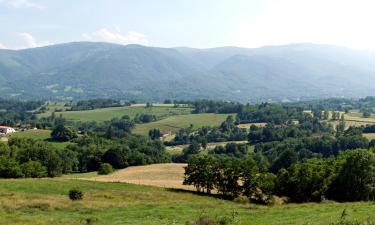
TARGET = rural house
(6,130)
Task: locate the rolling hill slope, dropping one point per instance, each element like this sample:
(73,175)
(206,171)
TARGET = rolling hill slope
(89,70)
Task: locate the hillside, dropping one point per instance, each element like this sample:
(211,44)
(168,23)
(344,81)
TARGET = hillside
(87,70)
(45,201)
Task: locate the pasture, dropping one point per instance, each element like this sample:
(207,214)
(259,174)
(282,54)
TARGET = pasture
(45,202)
(174,123)
(104,114)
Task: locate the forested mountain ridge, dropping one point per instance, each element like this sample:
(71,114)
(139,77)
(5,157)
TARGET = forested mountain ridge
(87,70)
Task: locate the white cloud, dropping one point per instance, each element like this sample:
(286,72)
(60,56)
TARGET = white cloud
(2,46)
(22,4)
(30,41)
(105,35)
(339,22)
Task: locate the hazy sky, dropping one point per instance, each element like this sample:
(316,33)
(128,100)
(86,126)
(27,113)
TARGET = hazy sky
(192,23)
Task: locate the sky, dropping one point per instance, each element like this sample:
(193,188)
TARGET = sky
(188,23)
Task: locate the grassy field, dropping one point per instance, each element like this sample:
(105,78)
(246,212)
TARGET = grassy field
(45,202)
(39,135)
(355,116)
(168,175)
(175,123)
(104,114)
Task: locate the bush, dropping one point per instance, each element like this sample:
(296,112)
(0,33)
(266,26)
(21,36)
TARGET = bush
(105,168)
(75,194)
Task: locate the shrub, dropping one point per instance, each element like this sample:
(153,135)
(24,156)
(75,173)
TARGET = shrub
(75,194)
(105,168)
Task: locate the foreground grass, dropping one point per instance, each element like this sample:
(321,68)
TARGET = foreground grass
(105,114)
(175,123)
(45,201)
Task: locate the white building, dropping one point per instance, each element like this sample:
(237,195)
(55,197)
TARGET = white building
(7,130)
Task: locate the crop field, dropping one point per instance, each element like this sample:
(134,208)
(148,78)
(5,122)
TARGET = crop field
(248,125)
(104,114)
(45,202)
(370,136)
(169,175)
(355,116)
(175,123)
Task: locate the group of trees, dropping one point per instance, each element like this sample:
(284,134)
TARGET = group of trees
(92,151)
(97,103)
(348,177)
(227,131)
(14,112)
(229,177)
(22,157)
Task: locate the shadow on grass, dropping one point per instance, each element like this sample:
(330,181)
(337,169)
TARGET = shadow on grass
(218,196)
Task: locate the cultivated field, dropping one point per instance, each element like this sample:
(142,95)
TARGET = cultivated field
(45,202)
(104,114)
(357,117)
(175,123)
(168,175)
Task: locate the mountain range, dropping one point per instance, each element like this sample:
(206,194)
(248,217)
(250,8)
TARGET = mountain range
(82,70)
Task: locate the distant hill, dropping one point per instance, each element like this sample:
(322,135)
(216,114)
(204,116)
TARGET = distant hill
(89,70)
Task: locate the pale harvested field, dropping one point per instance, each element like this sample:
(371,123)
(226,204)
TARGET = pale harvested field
(168,175)
(350,123)
(370,136)
(248,125)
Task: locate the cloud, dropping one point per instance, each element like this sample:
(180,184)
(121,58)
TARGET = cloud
(337,22)
(2,46)
(30,41)
(105,35)
(22,4)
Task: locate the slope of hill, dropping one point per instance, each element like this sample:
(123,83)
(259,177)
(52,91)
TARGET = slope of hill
(88,70)
(45,201)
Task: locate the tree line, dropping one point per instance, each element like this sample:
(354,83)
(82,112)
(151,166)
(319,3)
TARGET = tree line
(348,177)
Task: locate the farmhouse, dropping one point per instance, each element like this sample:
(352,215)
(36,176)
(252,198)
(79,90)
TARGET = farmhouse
(6,130)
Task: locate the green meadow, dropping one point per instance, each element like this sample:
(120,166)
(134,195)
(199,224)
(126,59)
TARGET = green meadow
(174,123)
(45,201)
(104,114)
